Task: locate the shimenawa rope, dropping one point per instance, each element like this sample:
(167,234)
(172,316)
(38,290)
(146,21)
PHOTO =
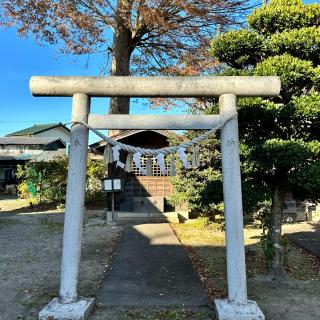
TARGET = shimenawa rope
(155,152)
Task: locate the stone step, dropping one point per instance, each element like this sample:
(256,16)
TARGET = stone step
(146,217)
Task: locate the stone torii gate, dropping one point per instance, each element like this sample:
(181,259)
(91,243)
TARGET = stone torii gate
(69,305)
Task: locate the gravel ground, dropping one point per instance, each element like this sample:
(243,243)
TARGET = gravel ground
(290,299)
(30,260)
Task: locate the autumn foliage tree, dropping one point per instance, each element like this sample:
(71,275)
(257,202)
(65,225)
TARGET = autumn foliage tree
(139,36)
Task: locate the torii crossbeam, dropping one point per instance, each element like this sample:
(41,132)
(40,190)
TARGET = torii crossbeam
(69,305)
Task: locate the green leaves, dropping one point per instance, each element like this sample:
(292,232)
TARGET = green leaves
(303,43)
(303,186)
(200,188)
(44,180)
(279,155)
(282,15)
(303,116)
(306,106)
(95,171)
(235,48)
(257,119)
(48,180)
(316,78)
(274,161)
(245,48)
(279,137)
(296,75)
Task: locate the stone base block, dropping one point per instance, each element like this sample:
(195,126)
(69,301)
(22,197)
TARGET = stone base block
(229,311)
(79,310)
(110,217)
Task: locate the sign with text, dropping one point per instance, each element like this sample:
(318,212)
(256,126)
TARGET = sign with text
(111,185)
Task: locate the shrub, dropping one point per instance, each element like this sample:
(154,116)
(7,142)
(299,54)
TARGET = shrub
(47,181)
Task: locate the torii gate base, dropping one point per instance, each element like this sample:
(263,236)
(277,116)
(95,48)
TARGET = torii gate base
(79,310)
(69,306)
(230,311)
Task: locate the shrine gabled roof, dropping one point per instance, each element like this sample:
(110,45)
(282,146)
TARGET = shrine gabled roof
(127,133)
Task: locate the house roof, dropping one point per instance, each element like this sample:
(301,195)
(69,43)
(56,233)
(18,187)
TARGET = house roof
(127,133)
(28,140)
(20,157)
(37,128)
(48,155)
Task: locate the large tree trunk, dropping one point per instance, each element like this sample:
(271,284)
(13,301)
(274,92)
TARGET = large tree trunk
(277,218)
(121,53)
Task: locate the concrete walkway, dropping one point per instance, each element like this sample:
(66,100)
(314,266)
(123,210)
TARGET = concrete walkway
(305,234)
(150,269)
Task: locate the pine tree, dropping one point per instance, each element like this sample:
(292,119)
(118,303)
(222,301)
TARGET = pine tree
(280,147)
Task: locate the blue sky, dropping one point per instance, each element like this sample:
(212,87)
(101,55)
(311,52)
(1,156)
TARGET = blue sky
(21,59)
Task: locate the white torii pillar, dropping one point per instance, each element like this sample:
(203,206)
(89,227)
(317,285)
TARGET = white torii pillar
(69,305)
(237,306)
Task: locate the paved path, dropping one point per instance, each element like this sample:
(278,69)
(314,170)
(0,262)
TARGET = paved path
(306,235)
(150,269)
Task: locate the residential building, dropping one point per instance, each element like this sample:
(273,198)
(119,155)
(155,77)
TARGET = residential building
(38,143)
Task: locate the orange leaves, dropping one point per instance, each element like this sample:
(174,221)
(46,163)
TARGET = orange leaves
(76,23)
(169,36)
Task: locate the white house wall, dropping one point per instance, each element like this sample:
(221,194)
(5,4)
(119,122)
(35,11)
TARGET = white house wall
(59,133)
(19,149)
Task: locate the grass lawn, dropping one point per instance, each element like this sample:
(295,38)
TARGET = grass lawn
(206,246)
(12,204)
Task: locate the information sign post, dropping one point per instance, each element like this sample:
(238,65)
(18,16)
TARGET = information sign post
(111,186)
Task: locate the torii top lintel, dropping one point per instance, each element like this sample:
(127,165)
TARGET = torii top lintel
(202,86)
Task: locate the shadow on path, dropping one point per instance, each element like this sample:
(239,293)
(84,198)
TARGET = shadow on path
(305,235)
(150,269)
